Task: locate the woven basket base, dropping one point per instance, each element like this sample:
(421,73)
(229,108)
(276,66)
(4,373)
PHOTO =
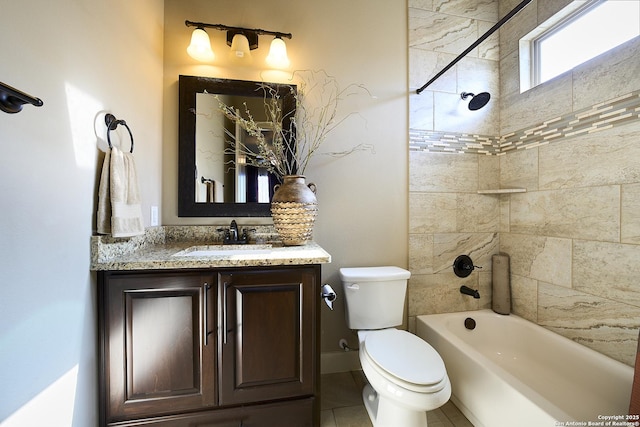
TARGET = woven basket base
(294,221)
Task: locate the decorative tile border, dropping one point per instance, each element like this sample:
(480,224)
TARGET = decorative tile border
(452,142)
(599,117)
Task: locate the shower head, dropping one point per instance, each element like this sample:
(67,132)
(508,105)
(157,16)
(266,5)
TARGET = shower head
(477,101)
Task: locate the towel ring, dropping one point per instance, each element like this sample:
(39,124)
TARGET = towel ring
(112,123)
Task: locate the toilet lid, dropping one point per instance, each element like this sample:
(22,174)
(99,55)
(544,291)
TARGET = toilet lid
(405,356)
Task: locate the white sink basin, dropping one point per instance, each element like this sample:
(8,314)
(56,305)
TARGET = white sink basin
(223,250)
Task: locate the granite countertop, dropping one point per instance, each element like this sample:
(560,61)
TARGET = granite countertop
(158,247)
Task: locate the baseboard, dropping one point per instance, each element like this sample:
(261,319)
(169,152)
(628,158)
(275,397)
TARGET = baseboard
(339,361)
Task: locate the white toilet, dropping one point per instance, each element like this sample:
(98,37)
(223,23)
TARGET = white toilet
(407,377)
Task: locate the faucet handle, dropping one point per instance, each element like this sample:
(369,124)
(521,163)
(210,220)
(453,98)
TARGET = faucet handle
(245,234)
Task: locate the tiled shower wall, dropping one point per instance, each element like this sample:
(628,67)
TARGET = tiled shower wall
(574,236)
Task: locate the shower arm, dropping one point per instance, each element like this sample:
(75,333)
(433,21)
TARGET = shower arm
(475,44)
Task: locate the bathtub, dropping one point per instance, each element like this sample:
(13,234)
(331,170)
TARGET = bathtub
(509,371)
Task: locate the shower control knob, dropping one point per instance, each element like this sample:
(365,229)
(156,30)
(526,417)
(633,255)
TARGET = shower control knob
(463,266)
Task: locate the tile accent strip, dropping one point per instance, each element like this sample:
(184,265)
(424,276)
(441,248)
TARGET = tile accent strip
(605,115)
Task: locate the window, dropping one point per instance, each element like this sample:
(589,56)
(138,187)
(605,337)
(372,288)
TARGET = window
(577,34)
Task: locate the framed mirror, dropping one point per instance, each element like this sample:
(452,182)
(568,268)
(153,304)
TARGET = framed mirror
(213,178)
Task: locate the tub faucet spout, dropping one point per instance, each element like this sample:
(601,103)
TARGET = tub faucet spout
(468,291)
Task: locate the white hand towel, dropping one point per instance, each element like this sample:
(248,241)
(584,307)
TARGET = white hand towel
(119,209)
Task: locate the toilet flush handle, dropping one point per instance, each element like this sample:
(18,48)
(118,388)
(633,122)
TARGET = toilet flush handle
(353,286)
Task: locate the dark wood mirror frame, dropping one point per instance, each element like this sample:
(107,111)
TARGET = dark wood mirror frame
(189,86)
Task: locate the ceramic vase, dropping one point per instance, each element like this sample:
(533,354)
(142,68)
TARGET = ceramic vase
(294,208)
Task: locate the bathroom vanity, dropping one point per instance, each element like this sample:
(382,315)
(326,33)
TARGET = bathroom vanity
(228,337)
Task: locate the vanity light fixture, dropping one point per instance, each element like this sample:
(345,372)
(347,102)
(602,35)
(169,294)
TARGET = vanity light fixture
(242,42)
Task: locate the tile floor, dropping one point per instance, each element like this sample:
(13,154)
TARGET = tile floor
(342,404)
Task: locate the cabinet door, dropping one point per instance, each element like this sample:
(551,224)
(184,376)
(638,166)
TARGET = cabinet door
(268,341)
(159,352)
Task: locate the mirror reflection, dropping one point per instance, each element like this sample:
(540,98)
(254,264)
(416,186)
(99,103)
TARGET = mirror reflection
(222,171)
(215,178)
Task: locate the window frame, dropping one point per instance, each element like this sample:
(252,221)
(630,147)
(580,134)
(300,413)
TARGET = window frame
(530,51)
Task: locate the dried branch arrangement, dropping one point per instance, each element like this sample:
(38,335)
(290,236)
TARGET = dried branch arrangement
(298,138)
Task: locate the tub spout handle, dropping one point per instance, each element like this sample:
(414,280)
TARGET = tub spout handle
(468,291)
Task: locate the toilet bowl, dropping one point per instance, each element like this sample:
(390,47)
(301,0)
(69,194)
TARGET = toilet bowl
(406,376)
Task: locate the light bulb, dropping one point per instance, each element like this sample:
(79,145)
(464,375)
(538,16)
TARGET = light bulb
(277,57)
(200,47)
(240,51)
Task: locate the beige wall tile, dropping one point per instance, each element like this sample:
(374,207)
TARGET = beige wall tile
(606,157)
(630,215)
(537,257)
(421,107)
(439,32)
(421,4)
(505,6)
(594,80)
(432,212)
(442,172)
(477,213)
(505,215)
(485,10)
(490,47)
(524,297)
(513,30)
(421,253)
(510,74)
(582,213)
(547,8)
(479,246)
(544,102)
(424,64)
(608,270)
(519,169)
(604,325)
(440,293)
(484,287)
(488,172)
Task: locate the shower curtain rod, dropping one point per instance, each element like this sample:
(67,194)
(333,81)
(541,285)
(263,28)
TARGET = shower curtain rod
(491,30)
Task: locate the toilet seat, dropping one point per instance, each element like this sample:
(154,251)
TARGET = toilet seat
(405,359)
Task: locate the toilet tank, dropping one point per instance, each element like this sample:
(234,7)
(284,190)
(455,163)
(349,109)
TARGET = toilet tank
(374,296)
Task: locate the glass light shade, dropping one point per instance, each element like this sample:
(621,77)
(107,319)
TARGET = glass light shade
(240,51)
(277,57)
(200,47)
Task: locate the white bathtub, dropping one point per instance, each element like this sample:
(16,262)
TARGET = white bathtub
(509,371)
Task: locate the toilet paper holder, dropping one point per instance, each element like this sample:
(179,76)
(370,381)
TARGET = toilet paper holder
(328,294)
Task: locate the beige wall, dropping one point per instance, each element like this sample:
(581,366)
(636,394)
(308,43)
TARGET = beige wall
(83,58)
(363,197)
(572,236)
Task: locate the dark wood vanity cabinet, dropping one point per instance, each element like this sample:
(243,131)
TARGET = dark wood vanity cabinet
(220,347)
